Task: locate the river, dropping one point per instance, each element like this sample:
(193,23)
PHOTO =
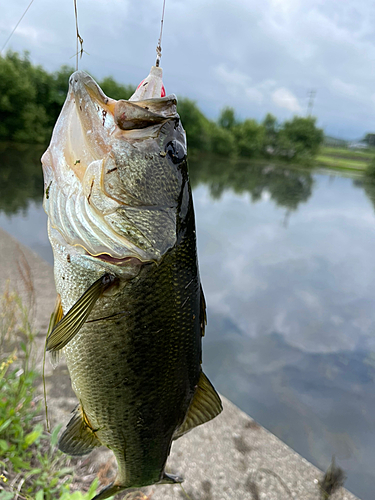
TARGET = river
(287,259)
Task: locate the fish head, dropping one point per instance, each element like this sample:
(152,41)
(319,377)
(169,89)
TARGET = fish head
(115,171)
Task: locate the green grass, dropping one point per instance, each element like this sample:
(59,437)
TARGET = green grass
(366,154)
(30,465)
(343,158)
(329,161)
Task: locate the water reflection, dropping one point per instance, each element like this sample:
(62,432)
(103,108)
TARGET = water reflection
(368,185)
(291,316)
(287,187)
(20,177)
(292,319)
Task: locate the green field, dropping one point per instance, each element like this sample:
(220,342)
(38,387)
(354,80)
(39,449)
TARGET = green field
(344,158)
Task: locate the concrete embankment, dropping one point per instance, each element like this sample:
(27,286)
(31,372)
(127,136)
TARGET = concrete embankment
(230,458)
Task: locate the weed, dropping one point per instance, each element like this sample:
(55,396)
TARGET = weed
(333,479)
(30,466)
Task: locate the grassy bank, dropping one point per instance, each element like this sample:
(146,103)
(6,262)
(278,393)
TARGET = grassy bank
(344,158)
(31,467)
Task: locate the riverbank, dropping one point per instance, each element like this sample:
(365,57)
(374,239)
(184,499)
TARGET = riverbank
(344,158)
(232,457)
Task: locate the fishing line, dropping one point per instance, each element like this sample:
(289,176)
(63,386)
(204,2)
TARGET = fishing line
(79,38)
(16,26)
(184,491)
(44,383)
(158,47)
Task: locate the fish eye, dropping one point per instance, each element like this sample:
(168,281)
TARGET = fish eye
(175,151)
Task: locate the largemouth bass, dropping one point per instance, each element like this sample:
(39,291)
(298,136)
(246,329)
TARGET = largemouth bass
(130,313)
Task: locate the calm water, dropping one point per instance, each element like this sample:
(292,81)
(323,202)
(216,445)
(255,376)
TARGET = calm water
(287,260)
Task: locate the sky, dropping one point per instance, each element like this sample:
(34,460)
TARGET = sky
(256,57)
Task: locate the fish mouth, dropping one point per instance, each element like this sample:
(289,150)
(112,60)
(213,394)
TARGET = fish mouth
(85,197)
(108,259)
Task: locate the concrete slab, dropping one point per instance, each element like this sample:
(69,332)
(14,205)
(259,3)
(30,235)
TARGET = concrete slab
(230,458)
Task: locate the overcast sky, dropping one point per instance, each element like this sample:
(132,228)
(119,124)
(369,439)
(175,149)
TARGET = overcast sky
(256,56)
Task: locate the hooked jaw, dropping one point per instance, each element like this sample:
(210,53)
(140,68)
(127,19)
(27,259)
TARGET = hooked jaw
(86,199)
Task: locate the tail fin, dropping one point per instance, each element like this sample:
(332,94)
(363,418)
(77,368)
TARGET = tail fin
(171,479)
(113,488)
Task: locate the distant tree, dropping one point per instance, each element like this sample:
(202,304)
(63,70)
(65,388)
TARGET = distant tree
(116,90)
(195,124)
(227,118)
(22,116)
(270,124)
(271,130)
(249,136)
(31,100)
(222,141)
(370,139)
(58,92)
(300,138)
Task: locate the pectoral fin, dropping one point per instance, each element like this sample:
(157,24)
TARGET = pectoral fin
(56,316)
(205,406)
(78,438)
(71,323)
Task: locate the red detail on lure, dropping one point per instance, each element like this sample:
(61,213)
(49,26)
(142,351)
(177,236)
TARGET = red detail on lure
(163,93)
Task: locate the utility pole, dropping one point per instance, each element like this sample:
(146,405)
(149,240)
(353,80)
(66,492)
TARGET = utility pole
(310,104)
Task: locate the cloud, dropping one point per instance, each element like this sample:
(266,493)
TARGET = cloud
(238,84)
(346,89)
(248,55)
(254,95)
(232,78)
(283,98)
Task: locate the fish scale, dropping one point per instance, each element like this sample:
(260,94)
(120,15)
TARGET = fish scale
(134,311)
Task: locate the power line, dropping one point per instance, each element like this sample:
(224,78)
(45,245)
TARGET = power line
(16,26)
(310,103)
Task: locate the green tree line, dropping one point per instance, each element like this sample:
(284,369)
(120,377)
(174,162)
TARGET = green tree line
(31,100)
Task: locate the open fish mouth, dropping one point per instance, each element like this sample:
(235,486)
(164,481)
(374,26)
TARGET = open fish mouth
(111,171)
(117,262)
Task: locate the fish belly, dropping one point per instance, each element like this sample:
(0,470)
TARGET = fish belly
(135,363)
